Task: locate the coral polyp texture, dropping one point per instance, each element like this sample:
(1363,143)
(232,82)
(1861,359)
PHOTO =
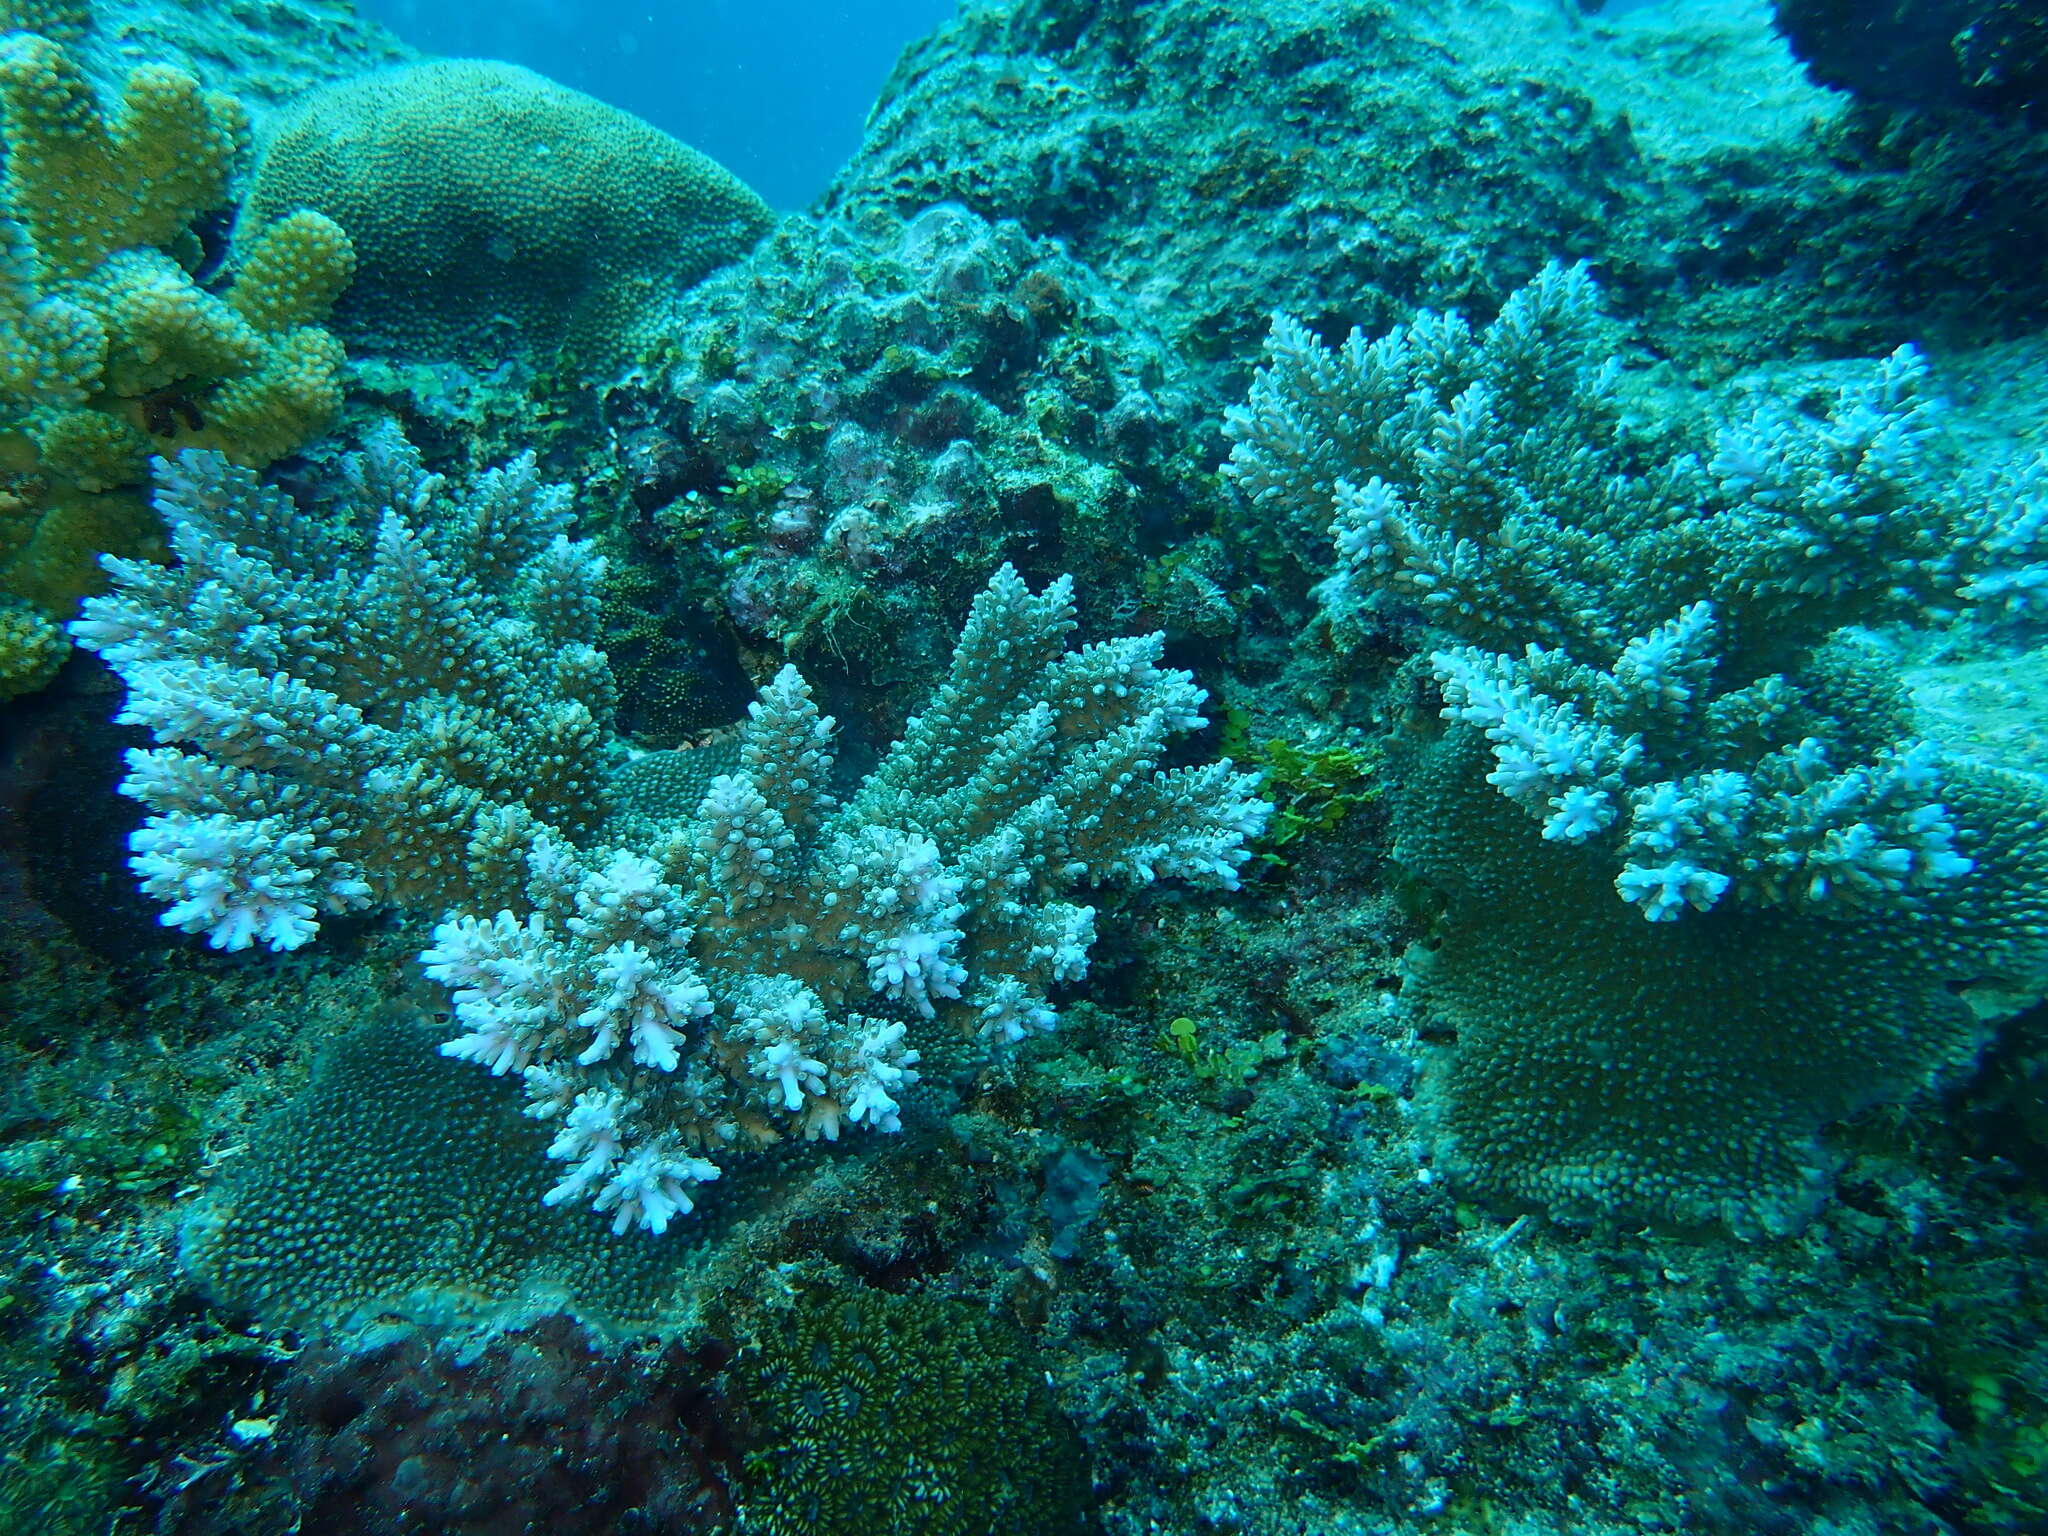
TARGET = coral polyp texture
(1708,887)
(495,211)
(912,1413)
(353,715)
(398,1180)
(759,970)
(109,349)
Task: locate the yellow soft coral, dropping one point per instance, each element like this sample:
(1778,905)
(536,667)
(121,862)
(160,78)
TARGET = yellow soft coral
(109,350)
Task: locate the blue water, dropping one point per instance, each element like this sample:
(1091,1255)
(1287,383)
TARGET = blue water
(775,90)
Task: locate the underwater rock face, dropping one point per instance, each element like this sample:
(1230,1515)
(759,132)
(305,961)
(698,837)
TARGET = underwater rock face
(867,417)
(264,51)
(1350,160)
(1989,55)
(498,213)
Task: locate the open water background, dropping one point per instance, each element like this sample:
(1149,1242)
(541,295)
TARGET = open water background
(775,90)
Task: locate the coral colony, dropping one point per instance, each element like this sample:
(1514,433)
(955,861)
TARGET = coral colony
(1654,662)
(1293,779)
(428,729)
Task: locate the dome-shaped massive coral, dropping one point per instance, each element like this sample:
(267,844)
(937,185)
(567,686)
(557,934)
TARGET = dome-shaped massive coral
(495,210)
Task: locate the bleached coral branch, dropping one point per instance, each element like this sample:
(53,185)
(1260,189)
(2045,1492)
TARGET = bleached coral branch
(1786,831)
(766,966)
(1482,481)
(338,729)
(422,722)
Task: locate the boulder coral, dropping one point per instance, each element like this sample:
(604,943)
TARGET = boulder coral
(495,210)
(110,350)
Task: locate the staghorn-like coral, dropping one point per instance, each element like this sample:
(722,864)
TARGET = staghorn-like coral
(763,964)
(1493,482)
(1643,642)
(425,724)
(496,211)
(346,725)
(1652,661)
(109,350)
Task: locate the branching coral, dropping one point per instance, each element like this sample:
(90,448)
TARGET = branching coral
(1491,483)
(356,726)
(109,350)
(765,962)
(426,726)
(1652,660)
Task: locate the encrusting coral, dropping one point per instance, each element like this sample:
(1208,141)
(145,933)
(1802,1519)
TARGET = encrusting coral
(396,1178)
(1651,684)
(496,211)
(428,729)
(909,1413)
(109,348)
